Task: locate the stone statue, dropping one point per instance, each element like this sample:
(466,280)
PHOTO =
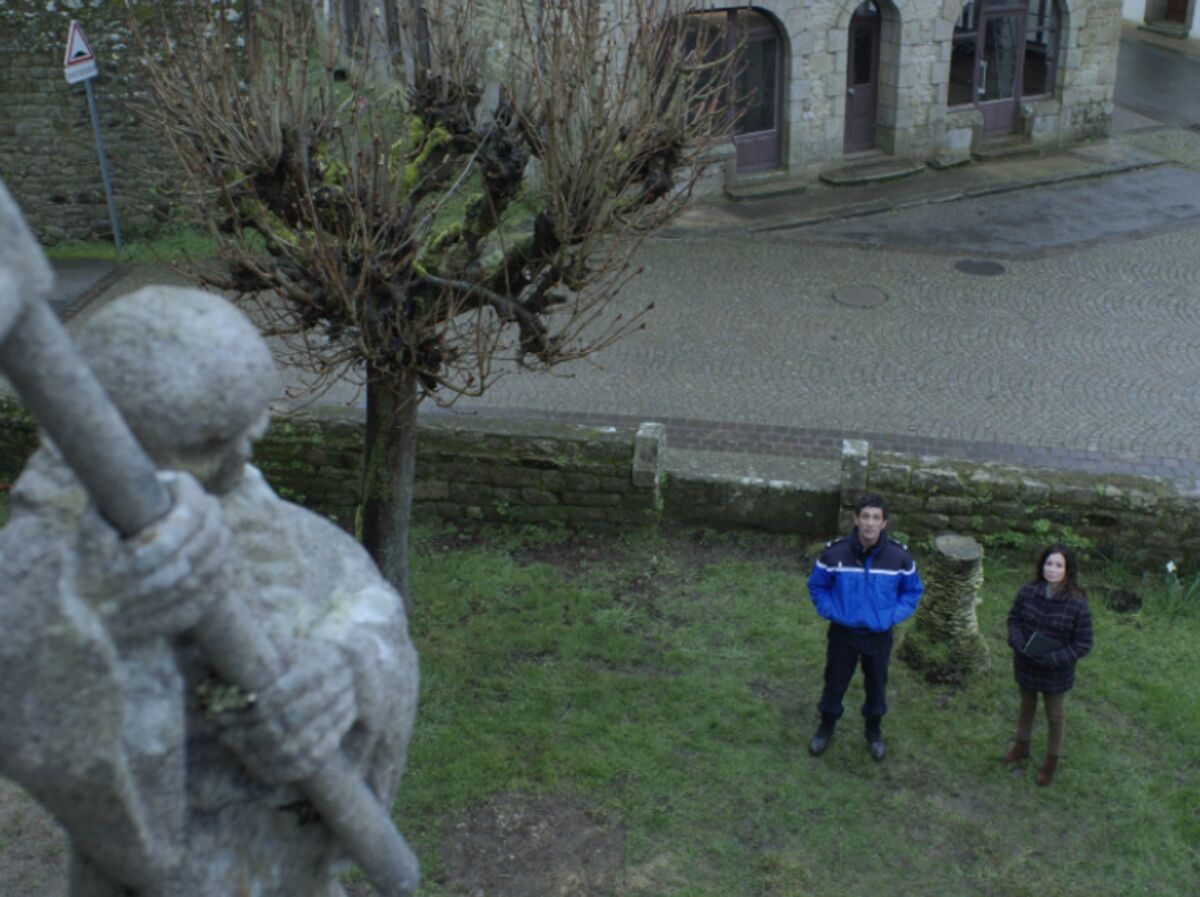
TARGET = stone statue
(169,779)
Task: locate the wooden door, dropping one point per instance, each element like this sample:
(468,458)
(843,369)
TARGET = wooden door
(998,79)
(862,79)
(757,134)
(1177,11)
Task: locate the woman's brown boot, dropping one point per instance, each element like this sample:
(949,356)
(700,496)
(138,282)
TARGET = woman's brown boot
(1046,774)
(1018,752)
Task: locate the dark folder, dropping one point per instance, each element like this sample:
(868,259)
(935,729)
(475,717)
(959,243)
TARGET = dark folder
(1040,645)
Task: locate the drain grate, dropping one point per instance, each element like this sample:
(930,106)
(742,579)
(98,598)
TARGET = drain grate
(859,297)
(979,267)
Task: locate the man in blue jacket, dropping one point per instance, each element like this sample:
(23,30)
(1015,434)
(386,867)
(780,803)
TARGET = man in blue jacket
(863,584)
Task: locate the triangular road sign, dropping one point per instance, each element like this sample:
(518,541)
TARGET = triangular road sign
(79,63)
(78,50)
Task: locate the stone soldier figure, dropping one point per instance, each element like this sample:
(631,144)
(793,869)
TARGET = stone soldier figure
(168,780)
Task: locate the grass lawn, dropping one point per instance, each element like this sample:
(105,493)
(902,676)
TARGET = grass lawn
(630,716)
(666,685)
(174,244)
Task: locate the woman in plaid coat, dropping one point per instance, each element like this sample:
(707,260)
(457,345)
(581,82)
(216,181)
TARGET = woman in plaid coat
(1054,606)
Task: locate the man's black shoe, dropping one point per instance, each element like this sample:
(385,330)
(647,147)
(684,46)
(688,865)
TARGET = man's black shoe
(820,741)
(875,741)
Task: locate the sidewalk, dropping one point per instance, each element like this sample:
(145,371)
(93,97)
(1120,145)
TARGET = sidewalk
(718,215)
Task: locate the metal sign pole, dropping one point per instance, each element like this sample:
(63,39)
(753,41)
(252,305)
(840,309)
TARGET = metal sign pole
(108,194)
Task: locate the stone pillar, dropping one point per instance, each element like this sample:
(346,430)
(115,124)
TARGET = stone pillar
(856,456)
(944,641)
(650,459)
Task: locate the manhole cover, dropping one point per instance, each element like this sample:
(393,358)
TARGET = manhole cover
(859,297)
(979,267)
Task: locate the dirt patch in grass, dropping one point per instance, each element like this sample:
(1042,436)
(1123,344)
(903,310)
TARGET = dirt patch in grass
(520,846)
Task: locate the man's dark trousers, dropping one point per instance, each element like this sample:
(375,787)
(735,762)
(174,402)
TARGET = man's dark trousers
(843,652)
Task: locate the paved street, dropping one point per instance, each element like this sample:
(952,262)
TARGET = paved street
(1071,339)
(1084,358)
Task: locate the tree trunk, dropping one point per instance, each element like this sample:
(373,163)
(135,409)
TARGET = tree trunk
(389,463)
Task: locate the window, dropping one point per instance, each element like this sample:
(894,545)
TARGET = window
(1041,48)
(1003,49)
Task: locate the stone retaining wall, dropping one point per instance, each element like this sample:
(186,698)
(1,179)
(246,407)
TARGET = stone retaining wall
(540,472)
(467,468)
(1138,520)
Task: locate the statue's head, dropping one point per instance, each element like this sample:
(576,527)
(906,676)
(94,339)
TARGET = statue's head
(190,374)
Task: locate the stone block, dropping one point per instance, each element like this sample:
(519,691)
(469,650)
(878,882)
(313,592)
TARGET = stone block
(585,514)
(929,523)
(649,455)
(619,485)
(892,478)
(1072,494)
(581,482)
(1010,511)
(538,496)
(1140,500)
(903,502)
(986,482)
(431,490)
(933,480)
(473,493)
(1034,490)
(948,504)
(592,500)
(856,455)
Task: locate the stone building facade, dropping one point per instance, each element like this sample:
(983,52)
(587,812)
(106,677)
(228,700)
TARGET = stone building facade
(827,82)
(823,83)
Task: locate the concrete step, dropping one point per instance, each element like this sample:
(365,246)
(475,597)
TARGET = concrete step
(1166,29)
(1004,148)
(874,172)
(763,187)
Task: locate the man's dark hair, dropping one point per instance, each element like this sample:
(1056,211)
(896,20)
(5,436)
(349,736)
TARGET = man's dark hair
(871,500)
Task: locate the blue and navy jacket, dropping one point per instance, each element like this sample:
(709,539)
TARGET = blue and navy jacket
(865,590)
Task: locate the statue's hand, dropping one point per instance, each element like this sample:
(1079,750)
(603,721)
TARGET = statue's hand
(178,567)
(293,726)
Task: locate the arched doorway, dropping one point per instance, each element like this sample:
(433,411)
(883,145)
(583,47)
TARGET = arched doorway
(1004,51)
(756,87)
(862,78)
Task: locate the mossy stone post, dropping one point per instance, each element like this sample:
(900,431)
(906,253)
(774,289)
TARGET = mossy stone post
(944,641)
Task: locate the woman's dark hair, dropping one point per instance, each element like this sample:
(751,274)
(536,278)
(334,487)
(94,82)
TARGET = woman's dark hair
(1070,586)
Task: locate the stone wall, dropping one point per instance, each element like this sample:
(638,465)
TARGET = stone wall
(467,468)
(498,470)
(48,154)
(1138,520)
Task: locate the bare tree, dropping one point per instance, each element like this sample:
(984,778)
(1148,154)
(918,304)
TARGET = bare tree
(433,189)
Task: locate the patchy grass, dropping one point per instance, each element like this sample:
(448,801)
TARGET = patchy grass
(668,684)
(178,244)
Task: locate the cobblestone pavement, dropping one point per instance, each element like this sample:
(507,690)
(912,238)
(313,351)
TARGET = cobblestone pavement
(1083,358)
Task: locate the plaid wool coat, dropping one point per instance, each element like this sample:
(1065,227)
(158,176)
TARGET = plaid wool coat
(1067,620)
